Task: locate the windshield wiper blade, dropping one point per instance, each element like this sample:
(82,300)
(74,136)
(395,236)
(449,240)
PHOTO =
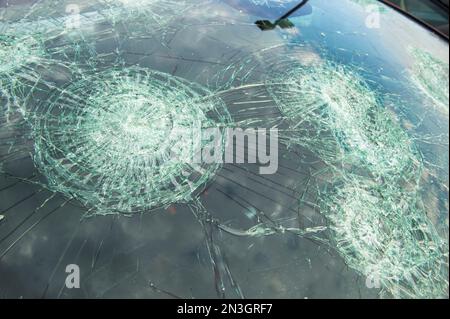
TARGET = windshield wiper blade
(283,22)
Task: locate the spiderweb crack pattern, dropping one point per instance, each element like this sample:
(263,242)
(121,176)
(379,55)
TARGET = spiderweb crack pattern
(384,233)
(349,118)
(113,140)
(17,51)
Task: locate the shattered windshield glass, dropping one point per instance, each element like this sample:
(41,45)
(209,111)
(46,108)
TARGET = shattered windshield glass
(217,149)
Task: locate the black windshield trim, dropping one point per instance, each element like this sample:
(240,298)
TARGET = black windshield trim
(415,19)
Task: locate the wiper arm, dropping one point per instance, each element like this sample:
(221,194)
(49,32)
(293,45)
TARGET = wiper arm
(282,22)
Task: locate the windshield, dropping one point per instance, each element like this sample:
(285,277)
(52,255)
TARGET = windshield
(339,190)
